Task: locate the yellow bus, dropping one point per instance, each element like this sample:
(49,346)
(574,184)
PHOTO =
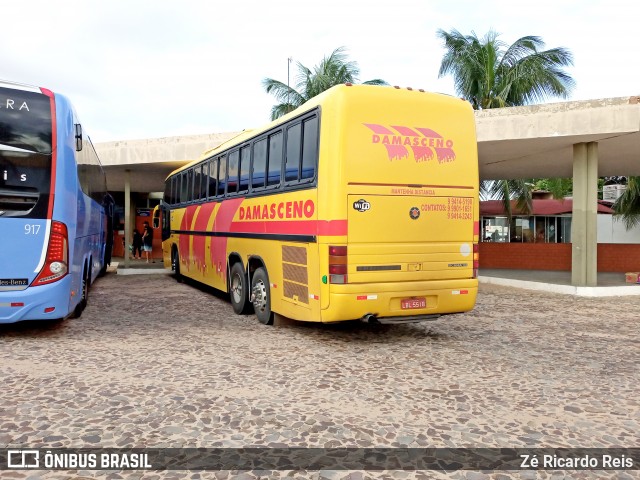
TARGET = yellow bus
(360,204)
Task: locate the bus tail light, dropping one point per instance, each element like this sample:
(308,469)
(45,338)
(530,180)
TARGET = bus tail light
(476,260)
(337,264)
(57,259)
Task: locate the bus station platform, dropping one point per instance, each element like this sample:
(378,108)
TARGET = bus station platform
(137,267)
(609,284)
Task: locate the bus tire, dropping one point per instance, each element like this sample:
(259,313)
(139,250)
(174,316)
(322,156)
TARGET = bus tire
(261,296)
(82,304)
(238,289)
(175,265)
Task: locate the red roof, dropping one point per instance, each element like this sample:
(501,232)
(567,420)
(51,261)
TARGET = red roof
(540,207)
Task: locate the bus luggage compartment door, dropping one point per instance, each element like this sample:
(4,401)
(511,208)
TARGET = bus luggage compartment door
(407,238)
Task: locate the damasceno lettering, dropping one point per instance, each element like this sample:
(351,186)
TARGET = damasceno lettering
(412,141)
(280,210)
(10,104)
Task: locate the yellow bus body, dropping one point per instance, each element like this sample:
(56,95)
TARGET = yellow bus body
(396,183)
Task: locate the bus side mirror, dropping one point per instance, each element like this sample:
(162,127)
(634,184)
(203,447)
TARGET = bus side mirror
(156,216)
(78,137)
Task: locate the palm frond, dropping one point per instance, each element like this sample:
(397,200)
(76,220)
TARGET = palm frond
(332,70)
(506,191)
(627,207)
(490,74)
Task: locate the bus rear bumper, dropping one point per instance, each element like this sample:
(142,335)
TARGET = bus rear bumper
(370,318)
(401,302)
(46,302)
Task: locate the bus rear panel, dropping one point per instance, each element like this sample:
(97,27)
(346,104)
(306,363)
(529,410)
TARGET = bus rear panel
(409,192)
(53,241)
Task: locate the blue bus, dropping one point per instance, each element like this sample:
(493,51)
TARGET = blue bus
(55,211)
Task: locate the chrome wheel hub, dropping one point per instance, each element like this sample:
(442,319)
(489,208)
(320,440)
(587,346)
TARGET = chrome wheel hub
(236,288)
(259,296)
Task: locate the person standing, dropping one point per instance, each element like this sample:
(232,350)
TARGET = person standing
(147,242)
(136,244)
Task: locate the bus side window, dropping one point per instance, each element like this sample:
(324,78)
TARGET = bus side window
(309,149)
(275,159)
(213,177)
(189,184)
(245,164)
(166,197)
(259,163)
(196,183)
(183,188)
(204,179)
(292,162)
(222,176)
(232,184)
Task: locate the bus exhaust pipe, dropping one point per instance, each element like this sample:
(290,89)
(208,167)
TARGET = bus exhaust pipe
(369,318)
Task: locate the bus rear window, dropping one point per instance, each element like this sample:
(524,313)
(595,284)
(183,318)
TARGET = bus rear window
(24,184)
(25,153)
(25,121)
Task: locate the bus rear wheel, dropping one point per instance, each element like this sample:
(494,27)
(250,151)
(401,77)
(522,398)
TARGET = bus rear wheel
(238,289)
(261,296)
(175,266)
(82,304)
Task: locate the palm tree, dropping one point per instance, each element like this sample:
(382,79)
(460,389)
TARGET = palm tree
(628,204)
(491,74)
(332,70)
(506,190)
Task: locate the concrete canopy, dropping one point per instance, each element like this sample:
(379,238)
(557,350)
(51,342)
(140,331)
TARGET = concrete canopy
(537,141)
(149,161)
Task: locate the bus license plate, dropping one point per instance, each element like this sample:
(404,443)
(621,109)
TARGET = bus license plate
(412,303)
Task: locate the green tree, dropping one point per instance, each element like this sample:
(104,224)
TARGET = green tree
(492,74)
(628,205)
(332,70)
(559,187)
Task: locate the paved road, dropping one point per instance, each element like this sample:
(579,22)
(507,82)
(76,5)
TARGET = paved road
(160,364)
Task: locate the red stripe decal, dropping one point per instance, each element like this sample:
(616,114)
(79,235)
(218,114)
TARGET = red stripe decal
(293,227)
(427,132)
(223,223)
(54,154)
(201,221)
(476,228)
(379,129)
(406,131)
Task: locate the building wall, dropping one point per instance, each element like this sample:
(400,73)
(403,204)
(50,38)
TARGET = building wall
(612,230)
(526,256)
(616,257)
(612,257)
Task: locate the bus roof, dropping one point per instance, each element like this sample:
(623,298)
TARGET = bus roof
(19,86)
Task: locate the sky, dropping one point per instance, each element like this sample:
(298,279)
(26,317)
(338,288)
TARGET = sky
(138,69)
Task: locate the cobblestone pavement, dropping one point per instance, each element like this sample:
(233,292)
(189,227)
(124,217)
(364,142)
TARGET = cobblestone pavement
(159,364)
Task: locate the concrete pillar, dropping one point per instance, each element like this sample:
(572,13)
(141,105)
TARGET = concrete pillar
(127,216)
(584,240)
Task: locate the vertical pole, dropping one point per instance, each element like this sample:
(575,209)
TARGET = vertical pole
(127,216)
(288,100)
(584,240)
(592,214)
